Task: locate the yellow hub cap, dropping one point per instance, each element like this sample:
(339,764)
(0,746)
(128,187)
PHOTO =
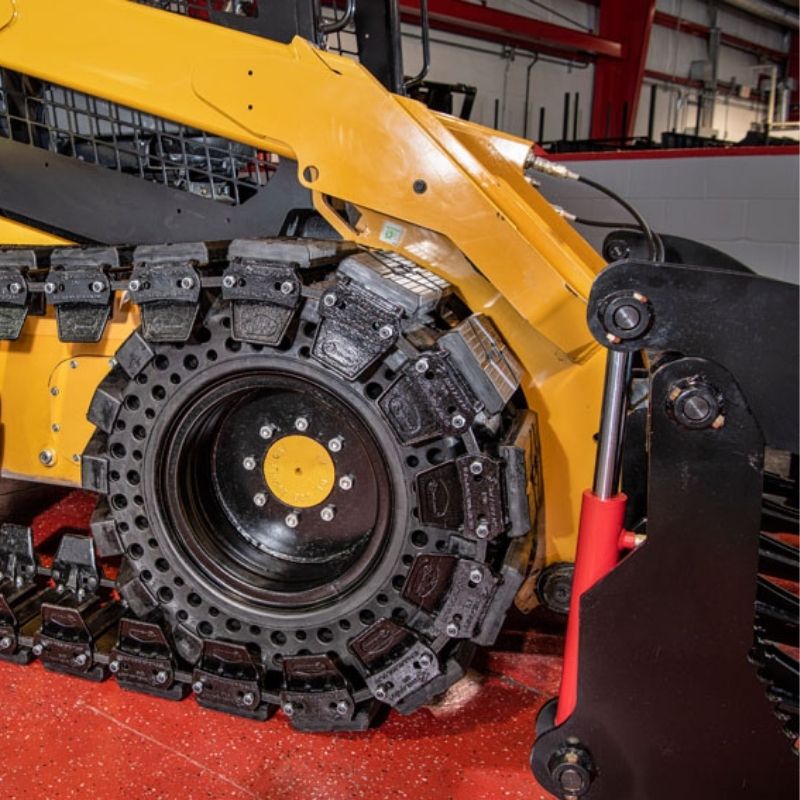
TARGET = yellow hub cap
(299,471)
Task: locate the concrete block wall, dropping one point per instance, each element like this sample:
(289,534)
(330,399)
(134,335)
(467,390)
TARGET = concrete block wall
(744,205)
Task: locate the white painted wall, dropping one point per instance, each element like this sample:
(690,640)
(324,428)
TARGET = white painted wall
(501,76)
(746,206)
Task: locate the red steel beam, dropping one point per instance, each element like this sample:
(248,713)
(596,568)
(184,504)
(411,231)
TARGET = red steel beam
(618,83)
(513,30)
(703,32)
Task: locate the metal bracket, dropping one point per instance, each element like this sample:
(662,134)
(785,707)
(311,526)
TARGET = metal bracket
(471,591)
(166,286)
(18,560)
(416,668)
(79,288)
(75,567)
(229,680)
(14,294)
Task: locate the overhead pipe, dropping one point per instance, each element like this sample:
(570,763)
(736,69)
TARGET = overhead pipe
(768,11)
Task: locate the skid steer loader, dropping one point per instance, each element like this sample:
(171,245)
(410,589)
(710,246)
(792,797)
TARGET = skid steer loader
(322,357)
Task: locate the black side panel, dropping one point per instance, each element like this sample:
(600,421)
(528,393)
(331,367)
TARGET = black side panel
(90,203)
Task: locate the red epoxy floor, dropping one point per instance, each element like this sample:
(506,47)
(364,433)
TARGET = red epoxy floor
(62,737)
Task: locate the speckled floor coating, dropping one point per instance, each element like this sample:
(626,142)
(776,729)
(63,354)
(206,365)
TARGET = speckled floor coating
(61,737)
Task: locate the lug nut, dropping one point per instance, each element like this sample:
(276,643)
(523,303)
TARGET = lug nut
(260,499)
(98,286)
(292,520)
(113,666)
(37,649)
(329,301)
(288,709)
(476,468)
(301,424)
(287,287)
(422,366)
(476,576)
(458,422)
(249,463)
(452,629)
(47,457)
(266,431)
(386,332)
(328,513)
(342,707)
(134,286)
(14,288)
(346,483)
(197,687)
(248,699)
(187,282)
(335,444)
(162,676)
(49,287)
(229,282)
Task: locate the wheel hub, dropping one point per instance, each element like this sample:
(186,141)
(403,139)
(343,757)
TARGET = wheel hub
(299,471)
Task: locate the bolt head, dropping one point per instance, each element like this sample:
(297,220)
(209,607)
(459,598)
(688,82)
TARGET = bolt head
(266,431)
(197,687)
(292,520)
(329,300)
(458,422)
(134,286)
(425,660)
(37,649)
(476,576)
(288,709)
(49,287)
(248,699)
(380,693)
(6,642)
(98,286)
(301,424)
(287,287)
(229,282)
(342,708)
(482,531)
(113,666)
(452,629)
(14,287)
(249,463)
(187,282)
(335,444)
(161,677)
(422,366)
(260,499)
(81,659)
(386,332)
(328,513)
(47,457)
(476,468)
(346,483)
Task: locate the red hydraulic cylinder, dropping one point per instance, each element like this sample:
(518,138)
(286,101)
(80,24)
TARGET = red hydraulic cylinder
(598,553)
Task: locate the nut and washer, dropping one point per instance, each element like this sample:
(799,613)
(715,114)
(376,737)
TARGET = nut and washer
(458,422)
(97,286)
(476,576)
(422,366)
(6,642)
(329,301)
(197,687)
(81,659)
(301,424)
(228,282)
(248,699)
(380,693)
(288,709)
(346,483)
(49,287)
(482,531)
(425,660)
(249,463)
(386,332)
(161,677)
(292,520)
(287,287)
(134,286)
(452,629)
(113,666)
(328,513)
(260,499)
(187,282)
(335,444)
(476,468)
(266,431)
(14,287)
(47,457)
(342,707)
(37,649)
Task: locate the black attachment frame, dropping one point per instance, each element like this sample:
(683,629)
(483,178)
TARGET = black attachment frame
(668,676)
